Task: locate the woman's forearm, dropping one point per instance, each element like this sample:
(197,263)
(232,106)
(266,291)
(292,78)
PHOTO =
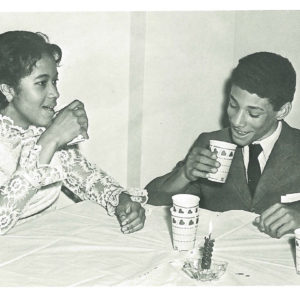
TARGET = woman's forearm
(49,147)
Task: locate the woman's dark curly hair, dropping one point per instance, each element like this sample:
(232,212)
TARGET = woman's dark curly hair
(19,52)
(267,75)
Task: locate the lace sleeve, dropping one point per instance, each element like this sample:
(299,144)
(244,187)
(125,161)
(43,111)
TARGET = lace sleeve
(17,190)
(91,183)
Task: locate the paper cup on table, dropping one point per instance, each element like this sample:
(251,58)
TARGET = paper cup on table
(225,152)
(185,217)
(297,246)
(184,229)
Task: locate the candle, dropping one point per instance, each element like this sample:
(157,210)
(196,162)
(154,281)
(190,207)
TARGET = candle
(208,249)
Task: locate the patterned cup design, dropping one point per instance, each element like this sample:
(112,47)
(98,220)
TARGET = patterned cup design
(225,152)
(184,231)
(297,247)
(185,222)
(183,211)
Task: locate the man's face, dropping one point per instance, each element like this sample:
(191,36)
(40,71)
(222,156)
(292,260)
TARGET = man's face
(251,118)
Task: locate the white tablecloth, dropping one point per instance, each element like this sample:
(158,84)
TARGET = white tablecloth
(80,245)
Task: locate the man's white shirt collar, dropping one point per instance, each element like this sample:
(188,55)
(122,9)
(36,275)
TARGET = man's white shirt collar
(267,145)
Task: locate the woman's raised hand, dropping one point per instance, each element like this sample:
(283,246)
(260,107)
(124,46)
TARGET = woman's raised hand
(69,122)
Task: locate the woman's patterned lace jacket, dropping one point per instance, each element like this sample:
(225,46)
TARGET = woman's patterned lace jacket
(28,188)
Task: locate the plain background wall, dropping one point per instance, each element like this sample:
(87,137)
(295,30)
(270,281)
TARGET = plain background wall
(152,81)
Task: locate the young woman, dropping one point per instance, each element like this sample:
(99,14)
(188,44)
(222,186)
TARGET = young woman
(35,157)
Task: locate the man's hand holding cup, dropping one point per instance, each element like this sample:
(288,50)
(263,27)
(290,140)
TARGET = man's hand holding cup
(199,163)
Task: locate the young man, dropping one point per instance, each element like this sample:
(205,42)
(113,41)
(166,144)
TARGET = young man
(262,89)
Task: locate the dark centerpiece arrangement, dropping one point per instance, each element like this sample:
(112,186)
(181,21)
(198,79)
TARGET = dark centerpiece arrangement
(205,268)
(207,252)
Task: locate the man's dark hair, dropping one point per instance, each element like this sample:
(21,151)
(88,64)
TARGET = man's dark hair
(267,75)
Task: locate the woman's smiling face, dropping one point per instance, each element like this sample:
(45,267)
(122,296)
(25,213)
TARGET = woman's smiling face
(251,117)
(35,98)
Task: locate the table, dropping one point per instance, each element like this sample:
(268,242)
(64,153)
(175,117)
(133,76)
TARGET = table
(80,245)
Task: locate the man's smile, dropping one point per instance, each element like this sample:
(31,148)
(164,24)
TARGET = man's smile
(238,132)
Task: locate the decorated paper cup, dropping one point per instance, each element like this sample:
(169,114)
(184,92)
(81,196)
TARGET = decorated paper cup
(225,152)
(297,246)
(184,231)
(186,201)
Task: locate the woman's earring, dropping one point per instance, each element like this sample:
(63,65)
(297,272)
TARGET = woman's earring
(9,97)
(7,91)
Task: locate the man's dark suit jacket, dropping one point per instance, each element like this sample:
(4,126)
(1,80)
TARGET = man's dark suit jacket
(281,176)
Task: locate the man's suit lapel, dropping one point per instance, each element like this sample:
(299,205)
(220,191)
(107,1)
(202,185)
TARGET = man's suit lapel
(276,165)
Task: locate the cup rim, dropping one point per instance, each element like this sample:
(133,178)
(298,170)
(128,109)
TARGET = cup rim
(223,144)
(189,198)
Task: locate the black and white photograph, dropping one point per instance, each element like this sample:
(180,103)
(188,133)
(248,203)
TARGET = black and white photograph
(150,148)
